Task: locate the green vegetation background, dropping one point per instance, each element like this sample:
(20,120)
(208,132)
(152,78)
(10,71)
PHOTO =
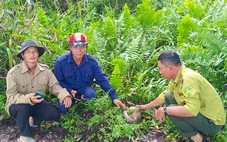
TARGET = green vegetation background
(126,36)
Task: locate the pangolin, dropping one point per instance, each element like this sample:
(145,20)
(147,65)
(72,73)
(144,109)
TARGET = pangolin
(134,117)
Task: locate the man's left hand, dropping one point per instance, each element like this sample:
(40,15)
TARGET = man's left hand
(119,104)
(159,114)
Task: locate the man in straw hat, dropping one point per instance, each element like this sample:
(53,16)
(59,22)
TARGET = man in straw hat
(23,81)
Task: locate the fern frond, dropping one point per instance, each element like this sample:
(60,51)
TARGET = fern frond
(116,80)
(213,43)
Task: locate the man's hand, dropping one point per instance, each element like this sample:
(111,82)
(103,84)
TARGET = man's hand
(73,93)
(159,114)
(119,104)
(67,101)
(34,99)
(142,107)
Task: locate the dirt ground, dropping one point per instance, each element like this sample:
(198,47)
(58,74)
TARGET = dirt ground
(8,133)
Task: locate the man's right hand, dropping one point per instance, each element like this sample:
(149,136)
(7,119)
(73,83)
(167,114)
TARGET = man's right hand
(34,99)
(119,104)
(142,107)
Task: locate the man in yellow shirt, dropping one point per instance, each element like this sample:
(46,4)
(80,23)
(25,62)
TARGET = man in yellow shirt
(194,106)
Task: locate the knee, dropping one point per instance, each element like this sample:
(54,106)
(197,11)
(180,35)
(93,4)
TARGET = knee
(89,93)
(21,110)
(169,96)
(23,107)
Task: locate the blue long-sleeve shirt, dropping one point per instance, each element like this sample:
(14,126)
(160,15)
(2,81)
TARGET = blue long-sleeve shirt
(72,76)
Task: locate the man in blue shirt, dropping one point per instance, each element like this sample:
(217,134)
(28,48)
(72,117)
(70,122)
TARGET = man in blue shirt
(77,70)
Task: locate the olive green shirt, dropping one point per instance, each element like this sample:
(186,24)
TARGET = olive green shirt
(21,82)
(197,95)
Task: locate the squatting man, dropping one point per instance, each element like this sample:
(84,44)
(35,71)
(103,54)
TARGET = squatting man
(193,105)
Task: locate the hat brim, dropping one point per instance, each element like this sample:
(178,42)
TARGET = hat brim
(40,49)
(78,43)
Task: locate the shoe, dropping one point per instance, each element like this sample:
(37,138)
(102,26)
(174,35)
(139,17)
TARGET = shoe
(29,139)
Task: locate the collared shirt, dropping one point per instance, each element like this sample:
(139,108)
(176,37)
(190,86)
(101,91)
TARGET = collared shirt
(72,76)
(197,95)
(21,82)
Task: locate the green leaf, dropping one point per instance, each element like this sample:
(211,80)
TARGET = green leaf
(10,57)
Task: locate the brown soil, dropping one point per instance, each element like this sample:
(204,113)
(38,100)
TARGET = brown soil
(9,133)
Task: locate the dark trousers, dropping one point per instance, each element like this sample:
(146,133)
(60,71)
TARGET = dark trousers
(39,112)
(190,126)
(88,93)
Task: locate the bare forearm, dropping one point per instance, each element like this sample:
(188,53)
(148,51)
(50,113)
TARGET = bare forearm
(156,102)
(178,111)
(152,104)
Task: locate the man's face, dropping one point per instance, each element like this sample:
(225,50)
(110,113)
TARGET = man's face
(165,70)
(31,54)
(78,51)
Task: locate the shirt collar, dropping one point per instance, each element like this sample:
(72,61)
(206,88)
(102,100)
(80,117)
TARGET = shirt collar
(25,68)
(179,77)
(70,59)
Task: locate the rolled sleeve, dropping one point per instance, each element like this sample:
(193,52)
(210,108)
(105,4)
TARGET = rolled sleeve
(55,87)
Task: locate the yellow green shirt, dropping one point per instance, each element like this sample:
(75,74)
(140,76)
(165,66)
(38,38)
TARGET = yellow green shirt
(197,95)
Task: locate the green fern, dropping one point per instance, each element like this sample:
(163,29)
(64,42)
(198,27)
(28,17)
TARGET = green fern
(126,21)
(133,56)
(147,14)
(116,80)
(213,43)
(122,65)
(195,8)
(186,26)
(110,33)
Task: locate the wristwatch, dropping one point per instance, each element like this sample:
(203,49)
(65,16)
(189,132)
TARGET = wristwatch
(164,109)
